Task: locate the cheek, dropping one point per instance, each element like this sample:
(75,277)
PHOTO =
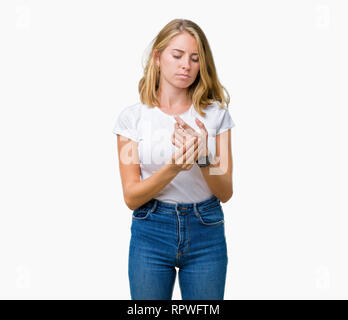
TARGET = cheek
(196,74)
(168,63)
(171,67)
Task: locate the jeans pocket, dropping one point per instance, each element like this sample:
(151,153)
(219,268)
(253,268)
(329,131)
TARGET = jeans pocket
(211,215)
(141,213)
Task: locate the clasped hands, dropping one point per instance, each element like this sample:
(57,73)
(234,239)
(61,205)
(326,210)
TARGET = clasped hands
(191,145)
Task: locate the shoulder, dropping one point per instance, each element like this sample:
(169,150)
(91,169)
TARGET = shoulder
(127,121)
(130,115)
(215,111)
(215,108)
(218,118)
(131,111)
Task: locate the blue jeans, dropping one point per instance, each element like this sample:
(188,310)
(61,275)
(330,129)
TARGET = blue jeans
(189,236)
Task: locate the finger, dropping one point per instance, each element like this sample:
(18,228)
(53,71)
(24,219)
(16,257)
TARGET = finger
(177,143)
(190,156)
(195,155)
(178,134)
(194,152)
(182,138)
(190,153)
(178,159)
(189,142)
(181,153)
(201,144)
(182,133)
(184,125)
(201,126)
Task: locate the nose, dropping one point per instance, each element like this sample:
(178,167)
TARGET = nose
(186,64)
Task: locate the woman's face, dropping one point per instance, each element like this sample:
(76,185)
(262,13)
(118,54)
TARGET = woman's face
(179,57)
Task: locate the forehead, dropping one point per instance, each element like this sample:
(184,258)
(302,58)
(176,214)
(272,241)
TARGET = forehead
(184,42)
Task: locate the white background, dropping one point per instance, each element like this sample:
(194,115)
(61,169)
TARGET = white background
(67,68)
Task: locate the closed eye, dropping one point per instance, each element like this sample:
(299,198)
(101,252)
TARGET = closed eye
(178,57)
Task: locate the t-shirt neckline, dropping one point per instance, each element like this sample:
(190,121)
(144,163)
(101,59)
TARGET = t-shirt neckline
(172,115)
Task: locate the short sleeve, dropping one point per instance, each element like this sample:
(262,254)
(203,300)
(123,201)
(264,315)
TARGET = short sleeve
(225,122)
(126,125)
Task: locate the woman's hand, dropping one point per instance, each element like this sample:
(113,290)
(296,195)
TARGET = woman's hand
(192,145)
(184,158)
(183,132)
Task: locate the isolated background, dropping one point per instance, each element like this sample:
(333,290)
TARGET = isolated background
(67,68)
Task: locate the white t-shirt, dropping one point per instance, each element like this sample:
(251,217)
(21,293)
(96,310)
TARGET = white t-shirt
(153,129)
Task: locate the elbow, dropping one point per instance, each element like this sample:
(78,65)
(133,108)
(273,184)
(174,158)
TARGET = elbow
(227,197)
(129,203)
(131,207)
(128,197)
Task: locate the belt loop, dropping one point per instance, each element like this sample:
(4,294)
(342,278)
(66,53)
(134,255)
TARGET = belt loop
(216,199)
(195,209)
(154,205)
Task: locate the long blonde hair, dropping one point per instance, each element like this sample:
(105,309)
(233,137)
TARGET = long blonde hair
(204,90)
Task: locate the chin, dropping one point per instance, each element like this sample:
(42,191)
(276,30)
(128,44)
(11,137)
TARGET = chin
(182,85)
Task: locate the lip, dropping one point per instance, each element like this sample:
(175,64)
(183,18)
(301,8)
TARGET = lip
(185,76)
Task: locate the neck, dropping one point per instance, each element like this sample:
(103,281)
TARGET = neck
(174,98)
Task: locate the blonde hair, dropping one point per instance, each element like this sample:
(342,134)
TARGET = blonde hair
(205,89)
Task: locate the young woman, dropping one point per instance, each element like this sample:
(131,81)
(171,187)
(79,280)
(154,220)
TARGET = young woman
(175,161)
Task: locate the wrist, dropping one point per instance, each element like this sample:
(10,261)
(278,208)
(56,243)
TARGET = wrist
(205,159)
(172,168)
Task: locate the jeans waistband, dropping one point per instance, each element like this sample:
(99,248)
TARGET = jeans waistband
(154,203)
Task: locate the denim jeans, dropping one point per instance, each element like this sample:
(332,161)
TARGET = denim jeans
(189,236)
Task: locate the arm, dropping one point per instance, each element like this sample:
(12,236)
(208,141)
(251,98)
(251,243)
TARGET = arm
(218,175)
(137,192)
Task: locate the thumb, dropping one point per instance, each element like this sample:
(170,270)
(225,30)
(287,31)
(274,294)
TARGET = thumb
(200,124)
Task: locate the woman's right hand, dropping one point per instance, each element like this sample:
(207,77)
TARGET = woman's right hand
(184,157)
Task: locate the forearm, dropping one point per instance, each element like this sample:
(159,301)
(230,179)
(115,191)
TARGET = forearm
(219,180)
(141,192)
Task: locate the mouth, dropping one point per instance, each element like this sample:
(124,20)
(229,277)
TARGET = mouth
(184,76)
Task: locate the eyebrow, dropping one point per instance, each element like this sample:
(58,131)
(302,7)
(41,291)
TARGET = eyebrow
(184,51)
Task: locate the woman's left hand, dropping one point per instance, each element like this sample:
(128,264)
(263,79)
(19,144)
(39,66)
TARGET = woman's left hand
(184,131)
